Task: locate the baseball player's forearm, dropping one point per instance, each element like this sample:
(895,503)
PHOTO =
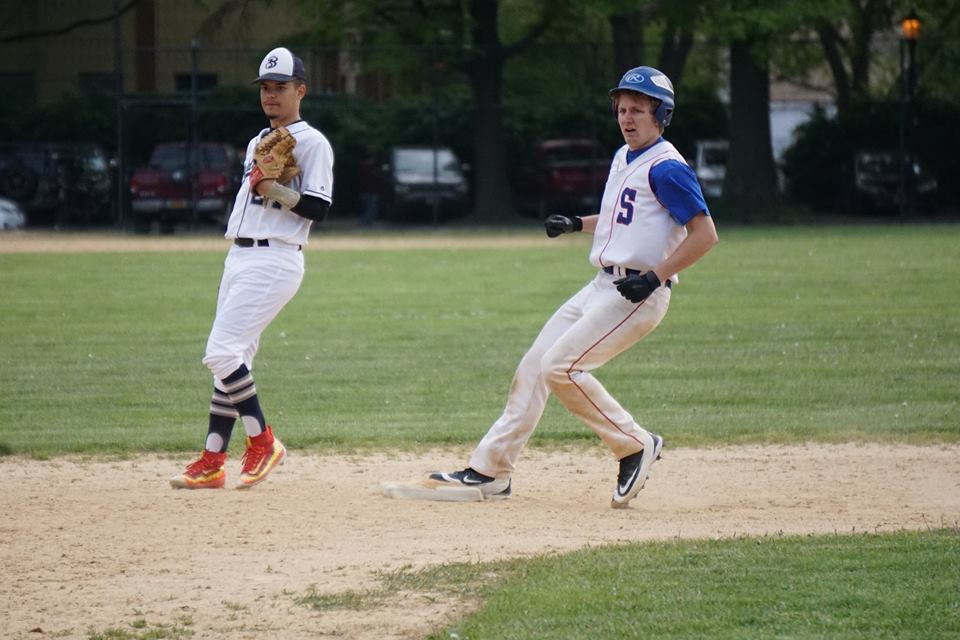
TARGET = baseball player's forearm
(308,207)
(702,235)
(273,190)
(589,223)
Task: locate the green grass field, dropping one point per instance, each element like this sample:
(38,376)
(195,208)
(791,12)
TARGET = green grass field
(780,335)
(902,585)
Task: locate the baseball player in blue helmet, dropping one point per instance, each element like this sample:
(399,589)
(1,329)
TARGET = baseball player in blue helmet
(650,82)
(287,186)
(653,223)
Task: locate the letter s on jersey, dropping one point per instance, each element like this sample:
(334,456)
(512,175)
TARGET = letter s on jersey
(627,198)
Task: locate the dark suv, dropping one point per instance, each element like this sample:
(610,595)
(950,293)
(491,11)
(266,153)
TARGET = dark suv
(185,183)
(58,183)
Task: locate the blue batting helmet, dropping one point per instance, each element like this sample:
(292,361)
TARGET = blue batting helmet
(651,82)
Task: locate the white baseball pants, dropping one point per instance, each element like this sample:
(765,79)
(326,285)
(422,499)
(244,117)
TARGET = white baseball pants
(590,329)
(257,282)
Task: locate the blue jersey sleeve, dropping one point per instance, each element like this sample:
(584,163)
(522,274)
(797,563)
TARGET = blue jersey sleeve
(676,187)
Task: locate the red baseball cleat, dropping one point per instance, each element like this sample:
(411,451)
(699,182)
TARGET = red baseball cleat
(264,452)
(205,473)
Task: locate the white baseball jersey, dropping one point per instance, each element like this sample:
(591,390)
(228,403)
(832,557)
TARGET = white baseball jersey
(634,230)
(255,217)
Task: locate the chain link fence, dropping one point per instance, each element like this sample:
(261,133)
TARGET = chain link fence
(365,106)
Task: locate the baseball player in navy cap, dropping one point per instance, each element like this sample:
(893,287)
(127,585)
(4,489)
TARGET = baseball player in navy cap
(287,186)
(653,223)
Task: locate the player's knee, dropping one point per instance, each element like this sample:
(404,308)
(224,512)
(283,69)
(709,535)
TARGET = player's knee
(555,372)
(222,365)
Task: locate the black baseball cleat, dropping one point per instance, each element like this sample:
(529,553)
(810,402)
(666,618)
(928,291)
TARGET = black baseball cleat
(634,471)
(491,488)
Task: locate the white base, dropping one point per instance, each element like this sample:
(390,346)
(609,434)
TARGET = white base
(410,491)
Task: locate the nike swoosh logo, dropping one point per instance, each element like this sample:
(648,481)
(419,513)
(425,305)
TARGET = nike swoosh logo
(622,488)
(467,480)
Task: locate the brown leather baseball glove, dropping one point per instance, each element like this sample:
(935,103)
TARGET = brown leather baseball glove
(273,158)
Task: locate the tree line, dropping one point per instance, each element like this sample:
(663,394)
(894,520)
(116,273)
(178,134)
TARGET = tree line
(486,69)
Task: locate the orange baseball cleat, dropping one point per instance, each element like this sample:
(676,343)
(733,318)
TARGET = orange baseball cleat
(205,473)
(264,453)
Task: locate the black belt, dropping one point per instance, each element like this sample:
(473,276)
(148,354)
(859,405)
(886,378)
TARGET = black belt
(250,242)
(263,242)
(634,272)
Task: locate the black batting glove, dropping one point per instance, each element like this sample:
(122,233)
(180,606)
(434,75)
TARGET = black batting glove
(636,288)
(556,225)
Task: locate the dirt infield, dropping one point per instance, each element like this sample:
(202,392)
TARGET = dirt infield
(98,545)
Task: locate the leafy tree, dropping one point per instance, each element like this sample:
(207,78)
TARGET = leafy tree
(435,38)
(855,40)
(750,27)
(484,68)
(672,24)
(847,34)
(858,42)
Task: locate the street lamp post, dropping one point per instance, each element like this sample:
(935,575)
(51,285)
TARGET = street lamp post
(909,32)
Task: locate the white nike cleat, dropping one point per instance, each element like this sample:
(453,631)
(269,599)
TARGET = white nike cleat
(634,471)
(491,488)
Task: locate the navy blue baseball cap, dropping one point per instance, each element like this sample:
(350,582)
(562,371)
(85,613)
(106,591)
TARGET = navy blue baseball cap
(281,65)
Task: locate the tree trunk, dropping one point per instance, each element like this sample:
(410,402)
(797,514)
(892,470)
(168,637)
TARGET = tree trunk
(751,180)
(832,43)
(493,199)
(626,30)
(492,194)
(674,52)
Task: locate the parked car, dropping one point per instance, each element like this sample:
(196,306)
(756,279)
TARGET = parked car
(58,183)
(562,176)
(11,217)
(181,174)
(710,165)
(876,183)
(422,183)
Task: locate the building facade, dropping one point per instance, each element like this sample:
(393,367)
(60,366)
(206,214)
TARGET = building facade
(51,48)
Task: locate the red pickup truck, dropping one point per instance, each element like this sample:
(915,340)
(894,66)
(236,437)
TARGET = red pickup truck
(165,190)
(562,176)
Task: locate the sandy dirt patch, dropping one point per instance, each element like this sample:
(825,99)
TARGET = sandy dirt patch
(103,544)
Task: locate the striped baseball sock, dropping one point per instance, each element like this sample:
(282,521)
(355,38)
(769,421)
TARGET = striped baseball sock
(242,393)
(222,416)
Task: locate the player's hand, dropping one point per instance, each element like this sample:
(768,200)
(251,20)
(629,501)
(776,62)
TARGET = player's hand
(557,224)
(262,187)
(636,288)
